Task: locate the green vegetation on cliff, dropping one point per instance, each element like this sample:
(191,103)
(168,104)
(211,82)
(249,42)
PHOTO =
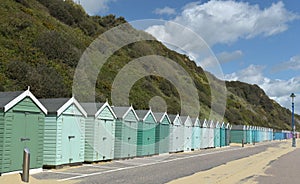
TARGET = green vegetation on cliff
(41,42)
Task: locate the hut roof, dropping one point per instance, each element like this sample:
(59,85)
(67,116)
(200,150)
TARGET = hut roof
(59,105)
(10,99)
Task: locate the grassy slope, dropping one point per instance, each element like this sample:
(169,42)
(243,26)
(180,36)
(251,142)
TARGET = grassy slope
(42,51)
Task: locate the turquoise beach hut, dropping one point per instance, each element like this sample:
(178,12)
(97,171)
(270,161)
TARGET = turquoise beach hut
(249,134)
(227,132)
(222,135)
(217,132)
(64,131)
(196,138)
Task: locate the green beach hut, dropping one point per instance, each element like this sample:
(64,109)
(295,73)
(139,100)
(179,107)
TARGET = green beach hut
(238,133)
(146,133)
(64,132)
(99,132)
(126,132)
(162,133)
(21,126)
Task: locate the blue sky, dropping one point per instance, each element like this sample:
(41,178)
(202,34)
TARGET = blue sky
(256,41)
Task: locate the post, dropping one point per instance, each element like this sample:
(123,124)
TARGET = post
(293,123)
(242,142)
(26,165)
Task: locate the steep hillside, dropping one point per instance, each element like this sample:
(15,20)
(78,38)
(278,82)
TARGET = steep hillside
(41,42)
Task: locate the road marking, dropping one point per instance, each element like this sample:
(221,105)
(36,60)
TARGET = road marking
(100,166)
(130,162)
(164,161)
(66,173)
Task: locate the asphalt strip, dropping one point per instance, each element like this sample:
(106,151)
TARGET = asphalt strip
(244,170)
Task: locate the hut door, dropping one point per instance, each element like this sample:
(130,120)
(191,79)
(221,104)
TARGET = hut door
(71,138)
(104,139)
(128,139)
(109,139)
(24,134)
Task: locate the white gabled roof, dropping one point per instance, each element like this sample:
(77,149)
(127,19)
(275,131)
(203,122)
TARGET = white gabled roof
(223,125)
(218,125)
(204,124)
(212,124)
(186,120)
(196,122)
(228,126)
(20,97)
(175,119)
(159,116)
(121,112)
(106,104)
(143,114)
(68,103)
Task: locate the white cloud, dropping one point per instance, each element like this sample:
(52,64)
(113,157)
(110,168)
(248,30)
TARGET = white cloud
(225,57)
(94,7)
(279,90)
(292,64)
(252,74)
(166,10)
(227,21)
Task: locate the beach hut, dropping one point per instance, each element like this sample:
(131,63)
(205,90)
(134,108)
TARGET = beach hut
(227,134)
(21,126)
(278,135)
(264,134)
(196,134)
(260,134)
(176,134)
(146,133)
(217,137)
(162,133)
(253,134)
(222,135)
(125,132)
(64,132)
(249,134)
(271,135)
(211,134)
(204,134)
(99,132)
(188,132)
(238,134)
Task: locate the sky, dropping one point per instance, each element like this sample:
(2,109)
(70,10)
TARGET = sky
(255,41)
